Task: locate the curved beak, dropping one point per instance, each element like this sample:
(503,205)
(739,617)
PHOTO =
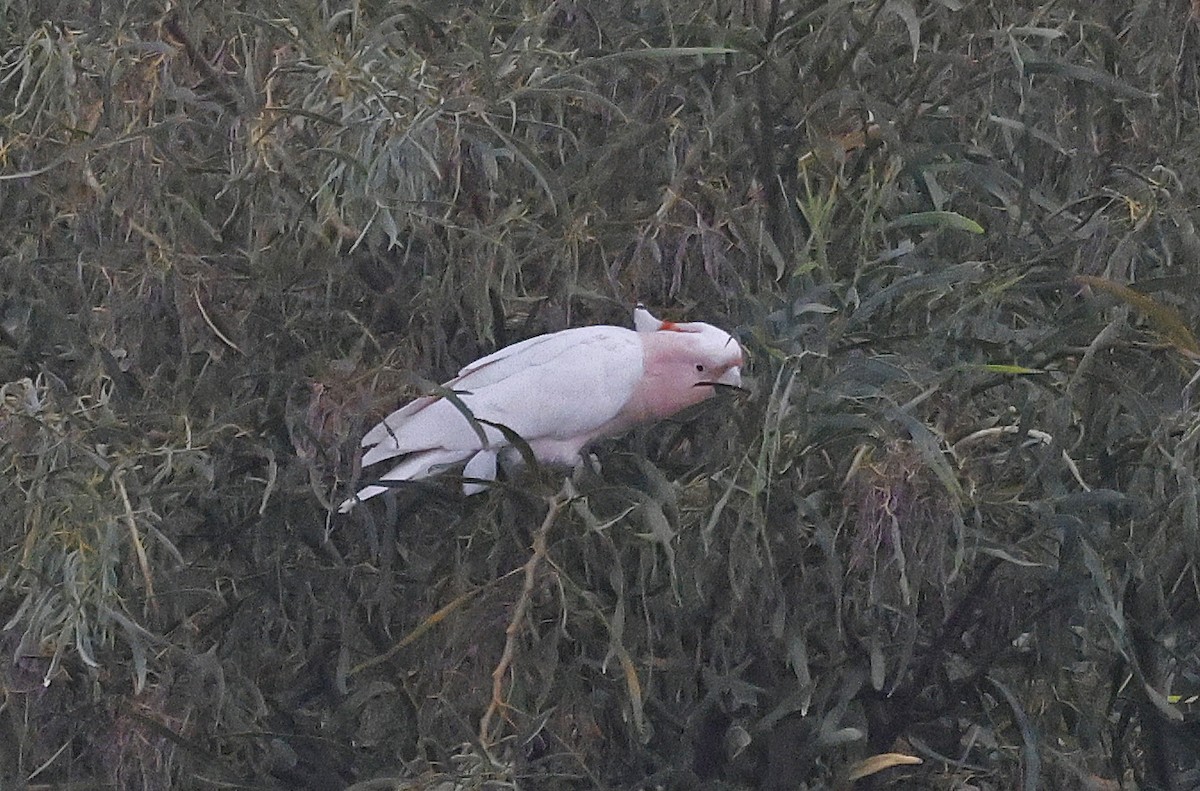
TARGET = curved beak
(732,377)
(730,380)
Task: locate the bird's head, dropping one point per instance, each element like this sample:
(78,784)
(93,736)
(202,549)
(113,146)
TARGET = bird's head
(685,363)
(706,356)
(696,354)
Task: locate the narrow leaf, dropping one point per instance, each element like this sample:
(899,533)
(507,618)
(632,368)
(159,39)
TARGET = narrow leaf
(1164,318)
(877,763)
(937,219)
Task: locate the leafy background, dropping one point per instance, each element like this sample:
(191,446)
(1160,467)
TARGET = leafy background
(955,518)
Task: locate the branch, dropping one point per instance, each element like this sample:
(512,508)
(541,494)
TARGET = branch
(556,504)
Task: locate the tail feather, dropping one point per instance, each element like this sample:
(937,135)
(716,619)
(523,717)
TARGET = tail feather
(425,422)
(414,467)
(483,467)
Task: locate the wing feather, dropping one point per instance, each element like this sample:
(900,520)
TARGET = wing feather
(564,385)
(415,466)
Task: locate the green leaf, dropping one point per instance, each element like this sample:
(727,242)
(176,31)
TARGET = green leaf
(659,53)
(1101,79)
(937,219)
(1001,368)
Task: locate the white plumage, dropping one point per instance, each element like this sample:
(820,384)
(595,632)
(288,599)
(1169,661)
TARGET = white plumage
(558,392)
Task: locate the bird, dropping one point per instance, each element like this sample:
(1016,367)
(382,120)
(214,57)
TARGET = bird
(557,392)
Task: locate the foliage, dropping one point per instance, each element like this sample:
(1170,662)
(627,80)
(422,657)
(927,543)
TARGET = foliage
(954,519)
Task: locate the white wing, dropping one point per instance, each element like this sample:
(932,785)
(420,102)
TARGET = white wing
(560,386)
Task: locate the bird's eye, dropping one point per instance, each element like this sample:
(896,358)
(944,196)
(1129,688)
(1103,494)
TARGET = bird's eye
(699,368)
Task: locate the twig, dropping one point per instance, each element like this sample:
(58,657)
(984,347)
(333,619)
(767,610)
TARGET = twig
(219,80)
(216,330)
(136,538)
(430,622)
(555,505)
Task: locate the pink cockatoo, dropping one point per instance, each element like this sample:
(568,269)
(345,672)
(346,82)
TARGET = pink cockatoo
(558,392)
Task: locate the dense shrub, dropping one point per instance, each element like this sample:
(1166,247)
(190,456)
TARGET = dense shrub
(953,519)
